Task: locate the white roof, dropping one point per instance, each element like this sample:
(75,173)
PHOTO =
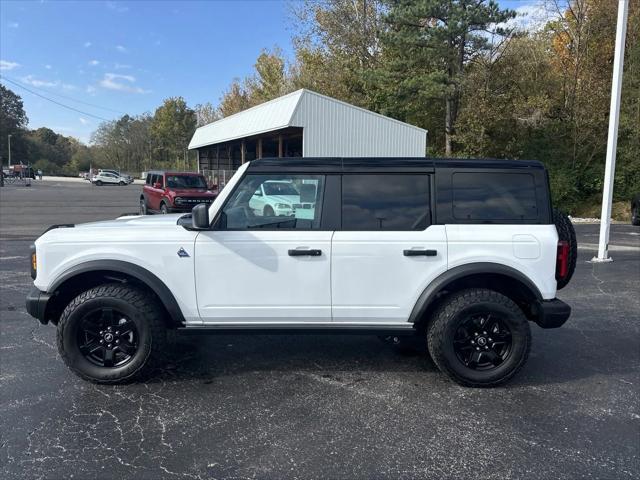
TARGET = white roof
(269,116)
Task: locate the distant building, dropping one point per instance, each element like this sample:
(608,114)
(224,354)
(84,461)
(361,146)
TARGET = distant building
(303,123)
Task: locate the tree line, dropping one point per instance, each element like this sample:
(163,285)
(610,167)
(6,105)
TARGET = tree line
(481,81)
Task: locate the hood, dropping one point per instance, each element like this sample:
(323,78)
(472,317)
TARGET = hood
(284,198)
(135,221)
(192,192)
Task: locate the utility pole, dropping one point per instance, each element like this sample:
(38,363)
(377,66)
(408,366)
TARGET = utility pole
(614,120)
(10,151)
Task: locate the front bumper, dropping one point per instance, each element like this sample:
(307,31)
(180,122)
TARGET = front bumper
(37,304)
(552,313)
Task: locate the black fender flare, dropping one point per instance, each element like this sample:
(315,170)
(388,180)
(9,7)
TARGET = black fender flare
(429,295)
(141,274)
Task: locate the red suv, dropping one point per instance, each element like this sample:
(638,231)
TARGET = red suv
(168,192)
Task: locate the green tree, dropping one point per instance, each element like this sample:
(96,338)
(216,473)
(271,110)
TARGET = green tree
(172,127)
(13,119)
(429,45)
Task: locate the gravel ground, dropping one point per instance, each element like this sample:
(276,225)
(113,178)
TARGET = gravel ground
(318,406)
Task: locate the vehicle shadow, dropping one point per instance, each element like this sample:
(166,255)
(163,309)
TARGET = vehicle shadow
(559,356)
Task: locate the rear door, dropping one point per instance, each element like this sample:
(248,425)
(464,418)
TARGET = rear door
(256,268)
(154,194)
(387,251)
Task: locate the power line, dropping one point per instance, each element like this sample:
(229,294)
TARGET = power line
(67,97)
(55,101)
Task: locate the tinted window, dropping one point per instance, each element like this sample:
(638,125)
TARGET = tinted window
(272,202)
(385,202)
(148,181)
(494,196)
(186,181)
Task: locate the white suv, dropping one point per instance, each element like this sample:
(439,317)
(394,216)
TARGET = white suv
(464,253)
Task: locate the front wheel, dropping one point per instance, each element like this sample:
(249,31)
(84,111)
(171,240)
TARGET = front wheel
(112,333)
(163,209)
(479,338)
(122,184)
(143,207)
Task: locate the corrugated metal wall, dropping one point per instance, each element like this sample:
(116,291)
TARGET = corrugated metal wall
(333,128)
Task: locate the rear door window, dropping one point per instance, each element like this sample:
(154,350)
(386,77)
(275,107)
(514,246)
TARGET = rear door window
(486,197)
(385,202)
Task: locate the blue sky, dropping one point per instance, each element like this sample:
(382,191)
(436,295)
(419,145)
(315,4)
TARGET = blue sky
(129,56)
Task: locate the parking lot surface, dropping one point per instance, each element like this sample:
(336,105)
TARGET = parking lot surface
(318,406)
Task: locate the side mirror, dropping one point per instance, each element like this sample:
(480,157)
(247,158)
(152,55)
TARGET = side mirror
(200,216)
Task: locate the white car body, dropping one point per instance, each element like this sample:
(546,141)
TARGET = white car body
(360,278)
(108,178)
(282,205)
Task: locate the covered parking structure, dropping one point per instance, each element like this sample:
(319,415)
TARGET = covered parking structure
(302,123)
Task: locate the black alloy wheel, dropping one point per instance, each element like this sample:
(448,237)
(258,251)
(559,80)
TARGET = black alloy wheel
(482,341)
(107,338)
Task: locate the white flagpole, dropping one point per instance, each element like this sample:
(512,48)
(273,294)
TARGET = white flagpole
(614,120)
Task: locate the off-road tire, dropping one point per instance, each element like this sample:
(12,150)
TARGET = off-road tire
(442,327)
(566,232)
(142,309)
(143,207)
(163,208)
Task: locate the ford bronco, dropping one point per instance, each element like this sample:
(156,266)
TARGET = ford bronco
(465,254)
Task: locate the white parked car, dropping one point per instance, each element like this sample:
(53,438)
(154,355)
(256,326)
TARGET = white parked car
(465,254)
(108,178)
(282,198)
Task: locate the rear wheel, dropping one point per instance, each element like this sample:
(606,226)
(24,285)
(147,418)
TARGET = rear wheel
(111,333)
(567,233)
(99,183)
(479,338)
(122,184)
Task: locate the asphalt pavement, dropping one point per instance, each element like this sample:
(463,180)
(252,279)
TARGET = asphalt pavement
(316,406)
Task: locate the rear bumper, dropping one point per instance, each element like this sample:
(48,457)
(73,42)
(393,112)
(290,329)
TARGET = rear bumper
(553,313)
(37,304)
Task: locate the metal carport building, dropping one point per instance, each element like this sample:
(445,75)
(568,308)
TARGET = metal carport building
(302,123)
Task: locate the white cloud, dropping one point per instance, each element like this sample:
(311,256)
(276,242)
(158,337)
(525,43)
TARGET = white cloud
(68,86)
(121,49)
(121,66)
(117,7)
(6,65)
(13,24)
(31,80)
(93,63)
(121,83)
(531,17)
(91,89)
(84,121)
(87,44)
(48,67)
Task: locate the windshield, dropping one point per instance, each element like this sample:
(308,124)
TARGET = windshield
(185,181)
(279,188)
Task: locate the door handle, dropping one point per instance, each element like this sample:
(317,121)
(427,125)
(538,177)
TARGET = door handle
(302,252)
(420,252)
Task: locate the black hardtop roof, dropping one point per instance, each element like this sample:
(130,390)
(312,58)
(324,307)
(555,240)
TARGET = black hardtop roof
(344,164)
(171,172)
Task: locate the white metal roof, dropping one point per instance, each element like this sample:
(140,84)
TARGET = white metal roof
(280,113)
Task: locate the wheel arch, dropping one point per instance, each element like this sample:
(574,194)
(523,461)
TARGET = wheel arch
(493,276)
(87,275)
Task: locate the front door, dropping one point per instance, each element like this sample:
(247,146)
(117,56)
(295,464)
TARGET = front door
(387,252)
(265,268)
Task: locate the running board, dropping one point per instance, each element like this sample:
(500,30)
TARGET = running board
(297,329)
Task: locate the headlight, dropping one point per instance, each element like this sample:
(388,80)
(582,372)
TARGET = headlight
(34,262)
(283,206)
